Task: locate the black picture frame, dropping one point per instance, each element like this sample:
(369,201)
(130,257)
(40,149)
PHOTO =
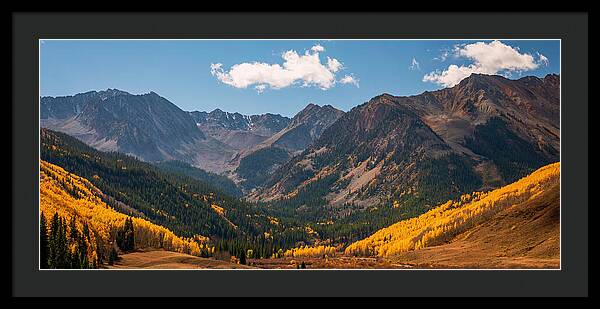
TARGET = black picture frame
(571,28)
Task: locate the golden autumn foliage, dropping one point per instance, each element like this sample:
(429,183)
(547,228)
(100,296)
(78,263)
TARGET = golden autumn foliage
(307,251)
(442,223)
(72,196)
(218,209)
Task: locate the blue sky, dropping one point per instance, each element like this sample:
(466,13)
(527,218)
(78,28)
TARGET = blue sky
(263,81)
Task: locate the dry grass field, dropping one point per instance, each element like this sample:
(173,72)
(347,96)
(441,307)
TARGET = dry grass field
(160,259)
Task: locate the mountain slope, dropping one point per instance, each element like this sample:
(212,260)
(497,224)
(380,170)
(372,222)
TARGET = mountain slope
(379,148)
(516,225)
(483,133)
(306,127)
(526,236)
(180,203)
(257,163)
(237,130)
(219,182)
(146,126)
(512,123)
(71,196)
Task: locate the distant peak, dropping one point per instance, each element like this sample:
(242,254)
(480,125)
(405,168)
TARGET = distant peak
(384,95)
(114,91)
(309,108)
(477,80)
(315,111)
(475,76)
(552,77)
(313,106)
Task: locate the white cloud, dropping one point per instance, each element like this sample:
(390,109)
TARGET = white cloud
(334,65)
(260,88)
(414,65)
(305,69)
(317,48)
(543,59)
(349,79)
(215,68)
(488,58)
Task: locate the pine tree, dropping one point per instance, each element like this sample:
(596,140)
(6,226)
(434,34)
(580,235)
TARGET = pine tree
(112,256)
(64,256)
(83,247)
(44,248)
(54,246)
(74,239)
(120,238)
(129,235)
(125,236)
(242,257)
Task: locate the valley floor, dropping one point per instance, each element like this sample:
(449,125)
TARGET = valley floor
(525,236)
(440,257)
(340,262)
(160,259)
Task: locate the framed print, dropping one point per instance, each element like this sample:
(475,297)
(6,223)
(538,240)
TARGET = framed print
(224,155)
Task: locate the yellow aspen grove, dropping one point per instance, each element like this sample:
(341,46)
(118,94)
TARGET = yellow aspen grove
(307,251)
(72,196)
(442,223)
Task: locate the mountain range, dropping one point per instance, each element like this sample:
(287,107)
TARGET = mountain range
(153,129)
(485,132)
(408,179)
(236,130)
(257,163)
(146,126)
